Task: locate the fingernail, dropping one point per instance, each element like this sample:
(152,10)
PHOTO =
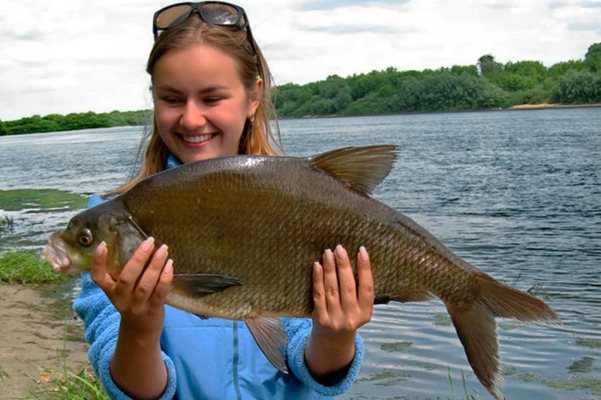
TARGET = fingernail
(148,244)
(162,251)
(101,249)
(327,254)
(168,267)
(339,251)
(363,254)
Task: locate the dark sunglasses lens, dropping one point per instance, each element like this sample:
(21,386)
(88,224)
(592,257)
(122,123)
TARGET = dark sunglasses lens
(167,17)
(219,14)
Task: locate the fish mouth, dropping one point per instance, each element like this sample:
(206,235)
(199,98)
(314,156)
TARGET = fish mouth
(56,254)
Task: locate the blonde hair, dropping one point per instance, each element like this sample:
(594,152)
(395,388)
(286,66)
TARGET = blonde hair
(258,137)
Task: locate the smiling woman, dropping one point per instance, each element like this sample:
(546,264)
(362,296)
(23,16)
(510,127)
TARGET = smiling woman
(200,103)
(210,87)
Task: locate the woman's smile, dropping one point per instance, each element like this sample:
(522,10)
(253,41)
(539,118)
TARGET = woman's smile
(196,140)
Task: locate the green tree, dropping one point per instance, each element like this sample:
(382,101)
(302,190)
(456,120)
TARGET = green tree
(511,82)
(3,130)
(593,52)
(562,68)
(592,58)
(533,70)
(578,87)
(409,96)
(487,64)
(464,69)
(362,84)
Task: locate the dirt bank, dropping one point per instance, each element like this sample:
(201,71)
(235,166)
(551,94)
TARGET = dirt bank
(38,332)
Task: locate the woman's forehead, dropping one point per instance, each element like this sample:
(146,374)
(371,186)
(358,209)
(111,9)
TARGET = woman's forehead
(196,65)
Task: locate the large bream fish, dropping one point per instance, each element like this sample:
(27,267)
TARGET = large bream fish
(244,232)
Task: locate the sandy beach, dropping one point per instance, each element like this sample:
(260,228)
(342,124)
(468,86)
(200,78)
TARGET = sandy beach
(542,106)
(39,334)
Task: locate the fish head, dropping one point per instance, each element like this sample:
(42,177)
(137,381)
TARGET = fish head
(72,250)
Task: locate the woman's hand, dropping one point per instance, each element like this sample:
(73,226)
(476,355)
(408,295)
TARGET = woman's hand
(138,294)
(341,307)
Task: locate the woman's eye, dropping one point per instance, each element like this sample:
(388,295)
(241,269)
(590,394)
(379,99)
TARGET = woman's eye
(85,237)
(170,100)
(213,100)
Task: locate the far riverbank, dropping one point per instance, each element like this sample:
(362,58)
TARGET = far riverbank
(544,106)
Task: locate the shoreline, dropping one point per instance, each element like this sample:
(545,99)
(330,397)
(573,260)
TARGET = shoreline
(517,107)
(546,106)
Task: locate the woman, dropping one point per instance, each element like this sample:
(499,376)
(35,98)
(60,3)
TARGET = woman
(210,86)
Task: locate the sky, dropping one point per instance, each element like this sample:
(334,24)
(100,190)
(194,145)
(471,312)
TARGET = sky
(78,56)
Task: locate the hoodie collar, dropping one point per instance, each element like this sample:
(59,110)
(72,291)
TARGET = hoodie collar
(173,161)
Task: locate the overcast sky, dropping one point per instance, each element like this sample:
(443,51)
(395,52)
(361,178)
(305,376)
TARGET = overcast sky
(77,56)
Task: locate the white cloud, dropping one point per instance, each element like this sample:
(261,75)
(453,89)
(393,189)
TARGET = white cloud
(75,56)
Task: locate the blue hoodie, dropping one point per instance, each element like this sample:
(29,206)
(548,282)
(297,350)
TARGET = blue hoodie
(208,358)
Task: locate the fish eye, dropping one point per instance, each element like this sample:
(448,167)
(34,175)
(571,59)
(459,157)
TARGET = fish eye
(85,238)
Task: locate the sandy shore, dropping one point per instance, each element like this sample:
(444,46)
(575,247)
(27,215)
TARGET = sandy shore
(39,332)
(542,106)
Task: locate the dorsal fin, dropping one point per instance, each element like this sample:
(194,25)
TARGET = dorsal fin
(360,168)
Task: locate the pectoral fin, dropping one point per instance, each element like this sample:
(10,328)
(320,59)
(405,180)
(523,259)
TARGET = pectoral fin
(270,335)
(202,284)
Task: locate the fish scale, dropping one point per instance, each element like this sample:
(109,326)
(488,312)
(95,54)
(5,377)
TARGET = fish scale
(244,232)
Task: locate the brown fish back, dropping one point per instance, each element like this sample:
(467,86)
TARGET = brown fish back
(265,220)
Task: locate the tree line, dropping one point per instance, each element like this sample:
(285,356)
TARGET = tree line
(74,121)
(486,85)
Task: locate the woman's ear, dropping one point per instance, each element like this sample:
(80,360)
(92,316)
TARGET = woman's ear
(255,98)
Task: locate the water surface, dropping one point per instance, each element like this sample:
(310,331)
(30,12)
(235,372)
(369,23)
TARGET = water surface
(518,194)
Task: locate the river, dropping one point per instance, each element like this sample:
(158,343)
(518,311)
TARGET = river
(516,193)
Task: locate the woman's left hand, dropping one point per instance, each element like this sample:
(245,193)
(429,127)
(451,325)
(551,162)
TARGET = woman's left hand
(341,307)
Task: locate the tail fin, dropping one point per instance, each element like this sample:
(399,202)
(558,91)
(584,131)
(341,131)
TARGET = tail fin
(476,327)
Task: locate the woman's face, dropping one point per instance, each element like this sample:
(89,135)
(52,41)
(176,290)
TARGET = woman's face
(200,102)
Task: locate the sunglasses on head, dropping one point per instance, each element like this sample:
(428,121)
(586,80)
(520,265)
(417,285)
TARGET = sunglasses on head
(212,12)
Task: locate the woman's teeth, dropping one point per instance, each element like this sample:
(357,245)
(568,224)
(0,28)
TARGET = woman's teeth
(196,139)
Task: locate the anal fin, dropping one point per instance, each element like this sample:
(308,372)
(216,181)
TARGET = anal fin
(270,335)
(476,329)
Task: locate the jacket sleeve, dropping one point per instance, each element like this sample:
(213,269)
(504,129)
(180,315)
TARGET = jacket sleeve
(101,322)
(299,331)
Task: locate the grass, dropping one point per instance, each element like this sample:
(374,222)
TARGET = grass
(6,222)
(65,384)
(466,394)
(18,199)
(442,320)
(583,365)
(386,378)
(3,374)
(27,268)
(592,385)
(590,343)
(396,346)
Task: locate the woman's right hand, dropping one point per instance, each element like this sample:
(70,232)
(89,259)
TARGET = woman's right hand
(139,292)
(139,295)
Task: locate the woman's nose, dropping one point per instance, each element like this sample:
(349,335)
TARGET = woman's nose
(193,116)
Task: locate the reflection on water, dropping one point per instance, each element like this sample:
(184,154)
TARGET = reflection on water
(516,193)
